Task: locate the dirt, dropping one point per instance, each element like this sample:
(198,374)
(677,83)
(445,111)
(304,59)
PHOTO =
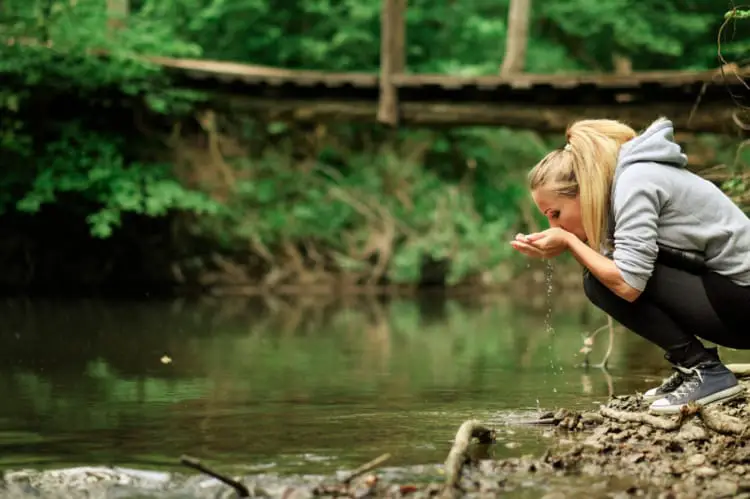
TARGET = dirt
(703,453)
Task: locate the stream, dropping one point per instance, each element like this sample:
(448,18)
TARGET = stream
(293,386)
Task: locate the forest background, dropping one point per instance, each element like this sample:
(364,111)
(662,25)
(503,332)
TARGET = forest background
(111,175)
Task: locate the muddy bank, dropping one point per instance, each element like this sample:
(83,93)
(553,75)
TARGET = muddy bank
(616,451)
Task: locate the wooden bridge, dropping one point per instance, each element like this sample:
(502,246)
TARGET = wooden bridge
(697,101)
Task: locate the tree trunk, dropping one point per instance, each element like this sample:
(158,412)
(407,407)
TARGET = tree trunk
(517,38)
(117,12)
(623,64)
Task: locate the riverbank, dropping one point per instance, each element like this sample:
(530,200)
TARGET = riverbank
(618,450)
(145,257)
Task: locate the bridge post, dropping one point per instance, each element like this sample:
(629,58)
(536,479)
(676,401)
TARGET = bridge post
(392,58)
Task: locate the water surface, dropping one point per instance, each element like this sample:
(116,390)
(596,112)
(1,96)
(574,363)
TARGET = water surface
(290,387)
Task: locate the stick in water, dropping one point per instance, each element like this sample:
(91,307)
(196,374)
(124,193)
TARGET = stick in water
(195,464)
(457,456)
(367,467)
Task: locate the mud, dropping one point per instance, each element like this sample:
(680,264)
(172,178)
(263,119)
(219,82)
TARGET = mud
(702,453)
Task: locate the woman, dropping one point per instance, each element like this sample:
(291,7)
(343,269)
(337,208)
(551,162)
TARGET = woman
(666,253)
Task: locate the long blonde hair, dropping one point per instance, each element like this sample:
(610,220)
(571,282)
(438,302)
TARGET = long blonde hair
(585,167)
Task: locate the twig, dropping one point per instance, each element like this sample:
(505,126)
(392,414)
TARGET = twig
(458,454)
(611,327)
(645,418)
(588,342)
(721,423)
(366,467)
(195,464)
(739,370)
(541,421)
(697,103)
(724,64)
(610,383)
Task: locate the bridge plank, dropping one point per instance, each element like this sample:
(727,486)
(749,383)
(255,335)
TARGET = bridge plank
(252,74)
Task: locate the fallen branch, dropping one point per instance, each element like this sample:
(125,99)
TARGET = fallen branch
(588,343)
(343,487)
(458,453)
(740,370)
(611,328)
(369,466)
(541,421)
(645,418)
(721,423)
(195,464)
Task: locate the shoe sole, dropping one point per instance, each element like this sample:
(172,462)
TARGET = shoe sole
(722,396)
(652,398)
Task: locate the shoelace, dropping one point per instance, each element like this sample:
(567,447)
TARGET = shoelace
(673,381)
(695,378)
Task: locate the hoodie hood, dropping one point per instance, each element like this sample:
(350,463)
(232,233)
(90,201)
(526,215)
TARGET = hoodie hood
(654,145)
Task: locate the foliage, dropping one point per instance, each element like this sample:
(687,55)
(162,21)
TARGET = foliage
(380,202)
(455,37)
(381,206)
(69,154)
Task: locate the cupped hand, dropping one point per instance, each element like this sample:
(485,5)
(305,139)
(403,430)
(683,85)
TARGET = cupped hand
(546,244)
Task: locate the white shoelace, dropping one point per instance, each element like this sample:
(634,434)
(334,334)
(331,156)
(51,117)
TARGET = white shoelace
(695,378)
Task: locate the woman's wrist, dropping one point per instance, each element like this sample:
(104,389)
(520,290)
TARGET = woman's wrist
(570,239)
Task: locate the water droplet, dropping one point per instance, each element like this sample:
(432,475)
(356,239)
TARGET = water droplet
(548,270)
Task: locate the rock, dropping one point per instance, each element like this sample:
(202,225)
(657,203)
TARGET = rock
(487,466)
(298,493)
(691,432)
(488,486)
(695,460)
(644,431)
(722,488)
(706,472)
(592,418)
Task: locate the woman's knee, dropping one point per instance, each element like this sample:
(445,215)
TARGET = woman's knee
(594,290)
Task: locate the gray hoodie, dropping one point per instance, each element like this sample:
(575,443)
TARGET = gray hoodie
(655,200)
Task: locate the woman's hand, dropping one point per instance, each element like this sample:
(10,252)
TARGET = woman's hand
(546,244)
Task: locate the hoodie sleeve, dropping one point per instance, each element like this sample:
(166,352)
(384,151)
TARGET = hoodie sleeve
(637,202)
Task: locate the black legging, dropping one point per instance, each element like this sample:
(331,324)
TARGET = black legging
(676,307)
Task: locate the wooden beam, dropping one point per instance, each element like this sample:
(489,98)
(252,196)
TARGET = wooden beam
(392,58)
(713,118)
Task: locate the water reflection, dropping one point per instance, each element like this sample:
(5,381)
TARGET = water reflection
(302,386)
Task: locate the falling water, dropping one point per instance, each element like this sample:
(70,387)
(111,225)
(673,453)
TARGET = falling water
(548,271)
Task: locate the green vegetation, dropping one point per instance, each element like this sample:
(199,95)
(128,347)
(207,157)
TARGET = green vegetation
(109,138)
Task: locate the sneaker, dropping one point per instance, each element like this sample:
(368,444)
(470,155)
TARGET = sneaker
(669,385)
(707,383)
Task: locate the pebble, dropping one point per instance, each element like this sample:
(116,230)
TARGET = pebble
(645,431)
(696,460)
(554,495)
(706,472)
(723,488)
(691,432)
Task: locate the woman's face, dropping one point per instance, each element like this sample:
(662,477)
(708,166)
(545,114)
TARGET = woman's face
(561,211)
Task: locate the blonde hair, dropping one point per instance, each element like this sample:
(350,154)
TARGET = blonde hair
(585,167)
